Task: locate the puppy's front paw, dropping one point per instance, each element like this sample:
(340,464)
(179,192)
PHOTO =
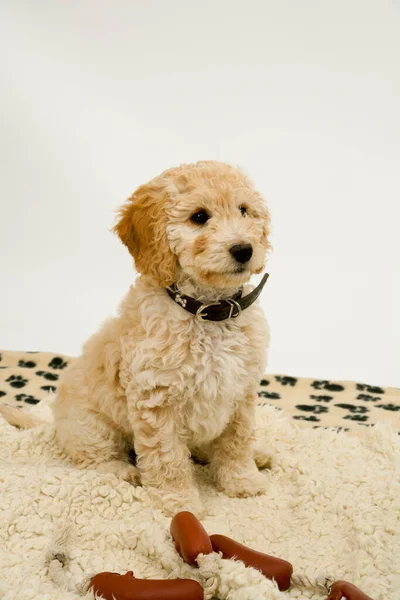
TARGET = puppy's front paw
(122,470)
(170,503)
(262,458)
(242,483)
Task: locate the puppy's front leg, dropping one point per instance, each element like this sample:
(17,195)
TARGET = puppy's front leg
(163,459)
(232,464)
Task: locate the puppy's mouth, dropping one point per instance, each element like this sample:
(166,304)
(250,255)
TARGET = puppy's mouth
(225,278)
(238,269)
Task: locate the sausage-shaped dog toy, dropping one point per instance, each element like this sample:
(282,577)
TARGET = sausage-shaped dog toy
(341,589)
(112,586)
(190,537)
(270,567)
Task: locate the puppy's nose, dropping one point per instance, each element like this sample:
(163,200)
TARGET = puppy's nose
(242,252)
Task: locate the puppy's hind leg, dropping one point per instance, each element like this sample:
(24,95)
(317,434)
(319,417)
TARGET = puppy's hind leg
(94,443)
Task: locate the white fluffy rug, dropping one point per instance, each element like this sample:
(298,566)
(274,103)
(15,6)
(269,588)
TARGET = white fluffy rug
(332,510)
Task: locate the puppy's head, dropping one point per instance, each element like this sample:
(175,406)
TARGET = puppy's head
(205,220)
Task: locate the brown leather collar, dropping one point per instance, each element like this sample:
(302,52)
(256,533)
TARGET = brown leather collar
(217,311)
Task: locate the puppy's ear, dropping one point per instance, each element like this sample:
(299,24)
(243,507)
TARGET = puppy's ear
(142,228)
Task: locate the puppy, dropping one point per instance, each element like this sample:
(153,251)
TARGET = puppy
(164,381)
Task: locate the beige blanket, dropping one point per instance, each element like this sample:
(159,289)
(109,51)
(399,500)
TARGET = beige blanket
(27,377)
(332,506)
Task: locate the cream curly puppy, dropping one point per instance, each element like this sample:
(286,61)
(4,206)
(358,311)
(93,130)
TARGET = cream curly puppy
(164,381)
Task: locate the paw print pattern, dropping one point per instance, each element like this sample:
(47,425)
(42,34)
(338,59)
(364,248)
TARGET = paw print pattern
(29,364)
(272,395)
(2,393)
(327,385)
(285,380)
(46,375)
(27,398)
(264,382)
(314,408)
(57,363)
(17,381)
(48,388)
(394,407)
(359,418)
(338,429)
(354,409)
(371,389)
(312,418)
(321,398)
(368,398)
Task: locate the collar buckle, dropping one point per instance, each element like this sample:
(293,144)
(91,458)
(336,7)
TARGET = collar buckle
(202,316)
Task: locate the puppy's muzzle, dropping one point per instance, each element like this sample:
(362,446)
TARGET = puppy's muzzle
(242,253)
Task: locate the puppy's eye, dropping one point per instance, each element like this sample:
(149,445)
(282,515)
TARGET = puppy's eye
(200,217)
(243,210)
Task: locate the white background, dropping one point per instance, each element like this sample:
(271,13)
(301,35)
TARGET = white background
(99,96)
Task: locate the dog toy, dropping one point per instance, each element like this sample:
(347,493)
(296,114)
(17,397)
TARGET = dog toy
(190,537)
(273,568)
(214,576)
(112,586)
(341,589)
(191,540)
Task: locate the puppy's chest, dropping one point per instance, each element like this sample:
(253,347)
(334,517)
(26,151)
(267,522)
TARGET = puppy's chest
(206,369)
(215,379)
(218,362)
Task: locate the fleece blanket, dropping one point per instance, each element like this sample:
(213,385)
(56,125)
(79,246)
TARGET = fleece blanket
(27,377)
(332,509)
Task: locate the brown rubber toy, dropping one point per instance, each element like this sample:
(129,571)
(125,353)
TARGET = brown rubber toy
(271,567)
(190,537)
(112,586)
(341,589)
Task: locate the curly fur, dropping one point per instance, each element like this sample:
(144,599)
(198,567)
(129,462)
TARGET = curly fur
(157,379)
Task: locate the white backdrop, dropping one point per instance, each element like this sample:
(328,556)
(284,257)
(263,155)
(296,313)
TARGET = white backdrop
(98,96)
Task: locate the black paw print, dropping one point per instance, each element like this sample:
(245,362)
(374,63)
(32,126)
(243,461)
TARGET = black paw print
(304,418)
(264,382)
(368,398)
(17,381)
(356,417)
(29,364)
(48,388)
(372,389)
(2,393)
(314,408)
(393,407)
(285,380)
(272,395)
(57,363)
(46,375)
(321,398)
(355,410)
(327,385)
(27,398)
